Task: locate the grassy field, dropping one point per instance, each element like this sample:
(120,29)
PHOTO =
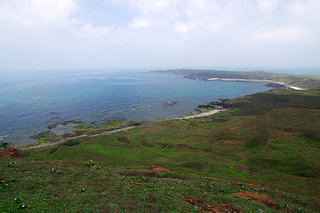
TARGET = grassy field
(266,147)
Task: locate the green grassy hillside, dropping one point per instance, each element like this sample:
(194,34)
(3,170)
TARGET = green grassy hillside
(266,146)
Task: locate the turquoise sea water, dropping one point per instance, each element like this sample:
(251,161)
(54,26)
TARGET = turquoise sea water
(29,102)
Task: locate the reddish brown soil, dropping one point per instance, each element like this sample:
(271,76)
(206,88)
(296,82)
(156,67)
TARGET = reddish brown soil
(221,208)
(205,206)
(251,184)
(159,169)
(258,198)
(11,152)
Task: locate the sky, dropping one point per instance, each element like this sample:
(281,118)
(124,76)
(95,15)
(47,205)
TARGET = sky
(97,34)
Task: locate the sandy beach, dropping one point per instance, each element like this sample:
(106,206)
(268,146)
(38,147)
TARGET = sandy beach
(204,114)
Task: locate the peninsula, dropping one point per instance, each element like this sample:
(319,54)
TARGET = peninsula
(296,82)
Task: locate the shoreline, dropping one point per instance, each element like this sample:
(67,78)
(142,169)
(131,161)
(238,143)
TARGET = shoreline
(200,115)
(76,137)
(255,81)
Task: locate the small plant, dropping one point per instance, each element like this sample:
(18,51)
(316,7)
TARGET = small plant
(123,139)
(17,199)
(92,164)
(23,206)
(3,145)
(12,164)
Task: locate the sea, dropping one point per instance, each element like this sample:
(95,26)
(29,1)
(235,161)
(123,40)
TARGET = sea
(32,101)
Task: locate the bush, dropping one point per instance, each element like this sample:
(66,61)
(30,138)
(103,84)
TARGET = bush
(312,134)
(92,164)
(3,145)
(123,139)
(72,142)
(257,141)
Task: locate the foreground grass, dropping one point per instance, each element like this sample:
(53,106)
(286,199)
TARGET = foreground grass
(70,186)
(274,153)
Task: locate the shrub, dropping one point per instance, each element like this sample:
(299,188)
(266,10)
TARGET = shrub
(123,139)
(257,141)
(312,134)
(72,142)
(53,150)
(207,149)
(92,164)
(3,145)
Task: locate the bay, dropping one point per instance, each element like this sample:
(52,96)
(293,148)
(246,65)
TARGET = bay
(31,101)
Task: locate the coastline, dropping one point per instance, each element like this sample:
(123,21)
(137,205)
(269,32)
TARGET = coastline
(70,138)
(255,81)
(201,115)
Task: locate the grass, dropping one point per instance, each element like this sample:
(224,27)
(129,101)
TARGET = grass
(276,151)
(68,186)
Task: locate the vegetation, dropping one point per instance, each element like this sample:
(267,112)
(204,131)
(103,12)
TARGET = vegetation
(303,81)
(82,130)
(72,142)
(261,155)
(3,145)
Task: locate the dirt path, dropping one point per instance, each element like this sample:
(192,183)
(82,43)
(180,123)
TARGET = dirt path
(118,130)
(80,136)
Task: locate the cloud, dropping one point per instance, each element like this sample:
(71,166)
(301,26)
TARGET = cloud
(150,7)
(182,27)
(138,22)
(36,13)
(172,29)
(306,10)
(267,5)
(91,32)
(285,35)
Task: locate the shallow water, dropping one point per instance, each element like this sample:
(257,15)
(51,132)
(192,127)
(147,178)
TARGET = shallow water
(31,101)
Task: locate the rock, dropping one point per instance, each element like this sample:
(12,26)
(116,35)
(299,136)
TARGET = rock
(170,103)
(204,106)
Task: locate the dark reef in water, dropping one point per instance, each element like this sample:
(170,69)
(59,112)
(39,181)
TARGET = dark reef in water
(222,103)
(52,126)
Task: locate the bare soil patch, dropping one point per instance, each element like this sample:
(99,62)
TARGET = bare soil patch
(159,169)
(11,152)
(258,198)
(205,206)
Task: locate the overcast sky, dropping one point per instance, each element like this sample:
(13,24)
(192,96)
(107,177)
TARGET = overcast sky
(74,34)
